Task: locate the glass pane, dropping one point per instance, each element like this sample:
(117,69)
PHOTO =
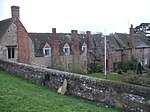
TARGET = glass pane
(9,52)
(13,52)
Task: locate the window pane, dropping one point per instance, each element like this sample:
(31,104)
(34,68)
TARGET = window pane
(46,52)
(13,52)
(9,52)
(66,50)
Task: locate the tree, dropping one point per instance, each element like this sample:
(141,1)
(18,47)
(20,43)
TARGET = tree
(143,29)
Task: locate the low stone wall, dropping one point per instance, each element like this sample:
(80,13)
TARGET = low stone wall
(115,94)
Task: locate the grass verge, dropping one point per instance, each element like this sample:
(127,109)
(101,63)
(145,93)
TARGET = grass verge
(110,76)
(18,95)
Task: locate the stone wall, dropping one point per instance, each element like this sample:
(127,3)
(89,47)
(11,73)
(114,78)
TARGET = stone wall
(9,39)
(128,97)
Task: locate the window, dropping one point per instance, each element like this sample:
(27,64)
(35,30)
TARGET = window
(66,49)
(84,48)
(146,51)
(11,52)
(47,50)
(145,61)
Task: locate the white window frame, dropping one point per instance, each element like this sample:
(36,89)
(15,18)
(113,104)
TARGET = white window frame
(145,61)
(84,48)
(66,49)
(47,48)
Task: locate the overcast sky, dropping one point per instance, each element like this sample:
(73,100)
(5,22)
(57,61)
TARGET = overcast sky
(81,15)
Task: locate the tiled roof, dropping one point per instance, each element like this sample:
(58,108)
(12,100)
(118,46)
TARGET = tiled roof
(140,42)
(124,40)
(117,41)
(4,24)
(99,41)
(39,40)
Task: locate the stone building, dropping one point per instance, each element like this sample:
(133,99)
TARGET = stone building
(14,39)
(67,51)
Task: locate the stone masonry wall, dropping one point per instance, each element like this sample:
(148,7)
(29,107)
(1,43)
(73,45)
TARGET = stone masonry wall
(9,39)
(130,98)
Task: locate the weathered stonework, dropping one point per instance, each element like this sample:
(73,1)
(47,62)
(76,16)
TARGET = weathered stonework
(130,98)
(9,39)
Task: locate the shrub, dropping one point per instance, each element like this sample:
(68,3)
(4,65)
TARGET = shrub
(84,71)
(136,79)
(128,65)
(95,68)
(119,72)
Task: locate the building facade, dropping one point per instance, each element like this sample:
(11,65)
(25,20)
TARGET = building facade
(68,51)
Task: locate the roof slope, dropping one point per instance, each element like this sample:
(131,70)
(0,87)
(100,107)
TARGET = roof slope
(124,40)
(4,24)
(39,40)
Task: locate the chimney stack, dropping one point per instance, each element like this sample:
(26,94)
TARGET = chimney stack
(54,30)
(74,41)
(132,36)
(54,42)
(89,40)
(15,11)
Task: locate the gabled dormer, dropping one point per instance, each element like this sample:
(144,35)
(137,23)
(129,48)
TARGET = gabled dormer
(66,49)
(84,48)
(47,50)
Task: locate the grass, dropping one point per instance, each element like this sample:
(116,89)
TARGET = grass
(18,95)
(110,76)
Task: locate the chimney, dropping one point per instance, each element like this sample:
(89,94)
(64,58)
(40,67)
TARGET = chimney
(74,41)
(132,36)
(55,57)
(54,30)
(54,41)
(89,40)
(15,11)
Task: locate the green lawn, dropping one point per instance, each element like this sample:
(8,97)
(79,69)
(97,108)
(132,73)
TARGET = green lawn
(19,95)
(110,76)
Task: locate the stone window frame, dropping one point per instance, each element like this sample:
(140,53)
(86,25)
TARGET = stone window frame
(11,51)
(84,48)
(47,50)
(66,49)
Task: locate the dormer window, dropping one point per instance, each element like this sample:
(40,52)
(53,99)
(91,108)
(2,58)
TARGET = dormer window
(66,49)
(84,48)
(47,50)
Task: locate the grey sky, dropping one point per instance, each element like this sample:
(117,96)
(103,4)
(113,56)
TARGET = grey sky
(81,15)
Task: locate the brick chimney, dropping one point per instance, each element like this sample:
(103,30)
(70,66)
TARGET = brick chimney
(54,42)
(132,38)
(74,41)
(15,11)
(55,57)
(89,40)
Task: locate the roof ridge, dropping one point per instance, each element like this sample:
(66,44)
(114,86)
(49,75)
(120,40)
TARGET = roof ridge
(5,20)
